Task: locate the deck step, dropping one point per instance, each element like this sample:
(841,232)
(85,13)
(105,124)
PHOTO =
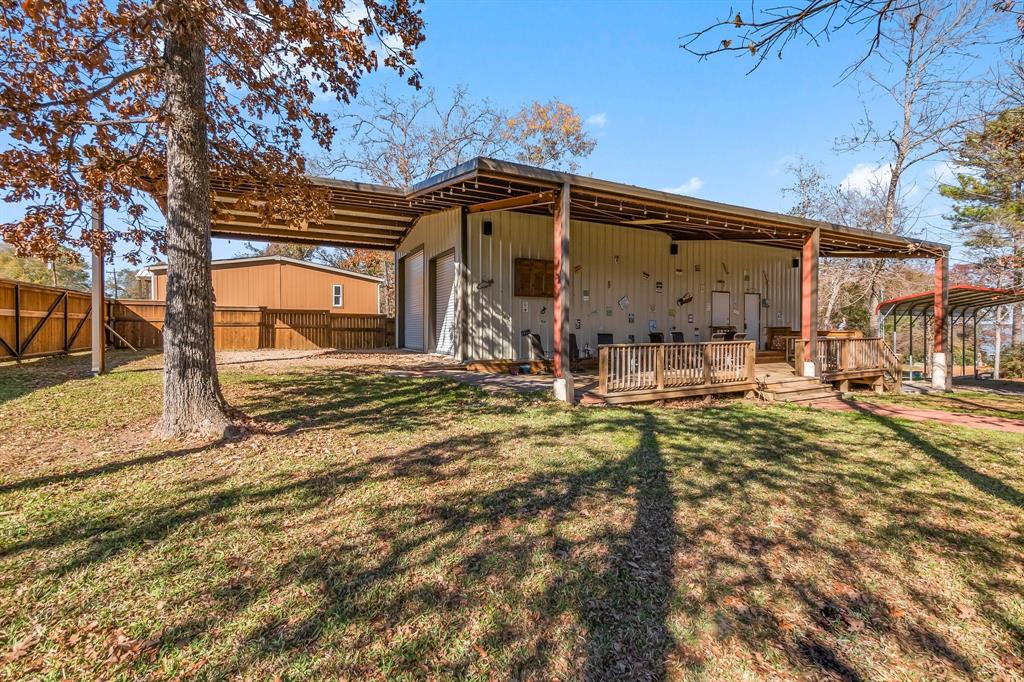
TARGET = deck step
(796,389)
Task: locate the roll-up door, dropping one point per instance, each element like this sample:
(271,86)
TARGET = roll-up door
(412,302)
(444,304)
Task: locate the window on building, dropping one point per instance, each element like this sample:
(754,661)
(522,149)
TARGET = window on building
(339,296)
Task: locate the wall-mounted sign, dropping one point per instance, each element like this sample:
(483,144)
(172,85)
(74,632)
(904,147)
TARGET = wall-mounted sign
(526,306)
(624,302)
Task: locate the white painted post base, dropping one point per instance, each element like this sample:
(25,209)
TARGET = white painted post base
(941,380)
(565,389)
(809,369)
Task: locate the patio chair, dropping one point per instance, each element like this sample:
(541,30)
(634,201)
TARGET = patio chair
(605,339)
(677,337)
(574,353)
(718,336)
(536,347)
(657,337)
(739,336)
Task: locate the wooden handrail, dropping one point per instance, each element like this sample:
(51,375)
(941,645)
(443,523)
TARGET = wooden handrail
(667,366)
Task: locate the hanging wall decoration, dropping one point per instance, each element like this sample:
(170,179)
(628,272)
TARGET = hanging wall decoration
(624,302)
(607,312)
(645,275)
(483,284)
(631,318)
(659,287)
(684,299)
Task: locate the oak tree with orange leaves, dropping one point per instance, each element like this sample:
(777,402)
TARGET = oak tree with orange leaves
(111,103)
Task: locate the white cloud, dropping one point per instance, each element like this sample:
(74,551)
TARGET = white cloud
(866,176)
(944,173)
(691,186)
(598,120)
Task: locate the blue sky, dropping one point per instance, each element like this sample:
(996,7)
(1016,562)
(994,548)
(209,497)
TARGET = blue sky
(662,118)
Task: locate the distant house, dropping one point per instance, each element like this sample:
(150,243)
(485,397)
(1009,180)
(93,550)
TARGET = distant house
(282,282)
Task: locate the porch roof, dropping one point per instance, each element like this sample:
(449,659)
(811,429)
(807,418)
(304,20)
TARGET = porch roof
(378,217)
(962,299)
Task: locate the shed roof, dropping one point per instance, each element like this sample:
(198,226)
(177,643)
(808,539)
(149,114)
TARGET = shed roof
(962,298)
(378,217)
(160,267)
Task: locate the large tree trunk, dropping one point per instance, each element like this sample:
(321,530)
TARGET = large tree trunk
(193,404)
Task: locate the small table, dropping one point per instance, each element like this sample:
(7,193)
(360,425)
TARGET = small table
(728,330)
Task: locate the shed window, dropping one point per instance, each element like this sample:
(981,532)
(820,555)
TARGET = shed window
(339,297)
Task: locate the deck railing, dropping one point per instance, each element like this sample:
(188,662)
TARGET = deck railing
(836,355)
(640,367)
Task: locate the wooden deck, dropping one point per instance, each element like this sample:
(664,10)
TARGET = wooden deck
(629,373)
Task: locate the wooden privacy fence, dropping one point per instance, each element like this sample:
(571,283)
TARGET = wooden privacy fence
(140,323)
(674,367)
(37,320)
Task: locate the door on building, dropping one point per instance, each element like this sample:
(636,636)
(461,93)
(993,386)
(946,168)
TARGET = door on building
(720,302)
(752,317)
(412,302)
(443,296)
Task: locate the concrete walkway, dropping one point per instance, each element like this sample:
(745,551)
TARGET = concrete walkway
(919,415)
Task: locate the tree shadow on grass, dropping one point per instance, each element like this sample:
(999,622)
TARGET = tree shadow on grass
(577,563)
(981,481)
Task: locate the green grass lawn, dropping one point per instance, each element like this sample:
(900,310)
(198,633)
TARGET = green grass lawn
(981,403)
(385,528)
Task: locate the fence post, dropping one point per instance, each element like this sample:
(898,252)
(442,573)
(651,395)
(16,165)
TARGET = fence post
(17,320)
(707,363)
(602,370)
(65,322)
(751,359)
(659,365)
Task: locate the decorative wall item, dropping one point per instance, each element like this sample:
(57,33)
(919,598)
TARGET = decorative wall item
(679,271)
(579,323)
(652,325)
(624,302)
(659,287)
(526,306)
(543,310)
(671,312)
(631,318)
(684,299)
(586,295)
(689,318)
(746,275)
(607,312)
(696,267)
(615,259)
(578,269)
(645,275)
(652,308)
(632,338)
(534,277)
(483,284)
(725,269)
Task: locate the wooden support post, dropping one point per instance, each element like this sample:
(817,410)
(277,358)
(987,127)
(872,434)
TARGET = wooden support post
(99,364)
(659,366)
(941,378)
(564,389)
(66,322)
(602,369)
(809,304)
(751,360)
(706,361)
(17,321)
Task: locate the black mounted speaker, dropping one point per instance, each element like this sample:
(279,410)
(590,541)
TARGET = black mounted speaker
(488,228)
(796,262)
(673,249)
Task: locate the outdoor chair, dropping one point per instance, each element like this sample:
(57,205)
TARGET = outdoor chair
(574,353)
(677,337)
(657,337)
(536,347)
(718,336)
(739,336)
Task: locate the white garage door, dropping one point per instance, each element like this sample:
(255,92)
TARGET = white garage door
(444,304)
(412,302)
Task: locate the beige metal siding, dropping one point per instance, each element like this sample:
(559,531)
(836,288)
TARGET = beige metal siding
(284,285)
(435,234)
(608,263)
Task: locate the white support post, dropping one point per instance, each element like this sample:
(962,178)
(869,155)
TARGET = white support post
(564,388)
